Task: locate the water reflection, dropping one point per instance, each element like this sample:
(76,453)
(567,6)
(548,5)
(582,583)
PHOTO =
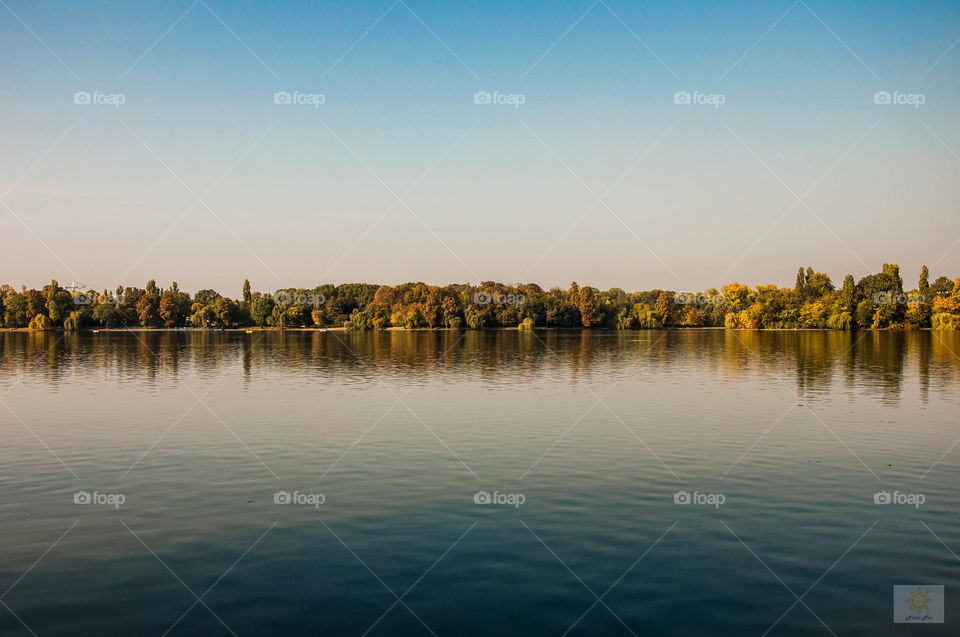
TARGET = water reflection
(809,363)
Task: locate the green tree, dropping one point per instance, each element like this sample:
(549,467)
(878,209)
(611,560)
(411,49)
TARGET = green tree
(848,294)
(41,322)
(148,310)
(942,287)
(587,305)
(206,297)
(558,311)
(877,301)
(944,321)
(625,320)
(450,313)
(74,321)
(201,315)
(737,297)
(15,314)
(58,304)
(106,314)
(474,316)
(923,302)
(36,303)
(662,308)
(840,318)
(865,313)
(277,317)
(356,322)
(817,285)
(297,315)
(260,310)
(128,308)
(884,292)
(225,311)
(171,308)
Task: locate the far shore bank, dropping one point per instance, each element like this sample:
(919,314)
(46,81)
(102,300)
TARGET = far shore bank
(120,330)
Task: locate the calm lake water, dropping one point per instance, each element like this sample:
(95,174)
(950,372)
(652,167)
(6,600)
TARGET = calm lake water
(582,439)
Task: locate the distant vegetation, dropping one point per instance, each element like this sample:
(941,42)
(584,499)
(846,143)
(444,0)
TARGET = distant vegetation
(877,301)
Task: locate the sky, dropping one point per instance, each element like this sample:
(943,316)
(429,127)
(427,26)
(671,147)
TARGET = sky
(632,144)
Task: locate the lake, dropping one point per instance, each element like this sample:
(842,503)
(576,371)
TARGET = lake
(685,482)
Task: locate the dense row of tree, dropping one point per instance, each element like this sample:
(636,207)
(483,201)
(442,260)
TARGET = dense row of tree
(876,301)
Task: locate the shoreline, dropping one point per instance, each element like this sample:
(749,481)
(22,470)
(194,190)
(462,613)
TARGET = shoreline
(120,330)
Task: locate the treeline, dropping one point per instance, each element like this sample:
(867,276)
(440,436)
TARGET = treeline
(877,301)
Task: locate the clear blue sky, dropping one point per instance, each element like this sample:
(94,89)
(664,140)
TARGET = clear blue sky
(103,194)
